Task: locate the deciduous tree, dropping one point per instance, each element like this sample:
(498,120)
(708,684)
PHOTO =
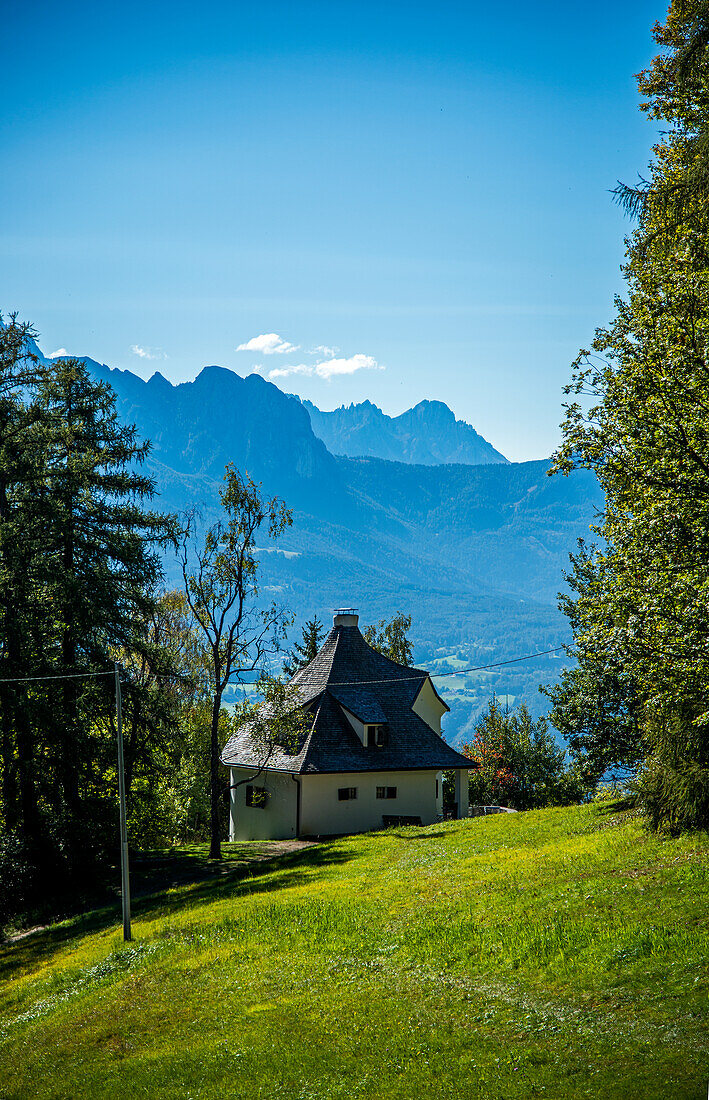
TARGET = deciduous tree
(639,418)
(220,575)
(391,638)
(518,762)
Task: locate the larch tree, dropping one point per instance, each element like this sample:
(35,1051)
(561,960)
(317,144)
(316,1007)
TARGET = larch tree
(99,567)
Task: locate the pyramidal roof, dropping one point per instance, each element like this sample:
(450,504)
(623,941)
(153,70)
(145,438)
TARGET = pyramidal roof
(347,675)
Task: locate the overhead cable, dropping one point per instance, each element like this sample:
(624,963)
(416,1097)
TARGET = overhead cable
(440,676)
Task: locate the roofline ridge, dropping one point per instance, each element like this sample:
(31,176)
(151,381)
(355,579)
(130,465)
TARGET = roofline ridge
(305,668)
(303,754)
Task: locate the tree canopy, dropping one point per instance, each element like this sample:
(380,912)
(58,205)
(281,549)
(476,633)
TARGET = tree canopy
(220,577)
(639,418)
(518,763)
(305,650)
(80,573)
(392,638)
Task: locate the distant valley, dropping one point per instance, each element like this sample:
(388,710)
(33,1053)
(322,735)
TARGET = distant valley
(475,553)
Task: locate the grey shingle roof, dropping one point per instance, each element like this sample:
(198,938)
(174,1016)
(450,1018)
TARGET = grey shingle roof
(359,702)
(332,679)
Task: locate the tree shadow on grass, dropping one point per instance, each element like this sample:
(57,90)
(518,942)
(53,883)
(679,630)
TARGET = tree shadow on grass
(419,836)
(202,881)
(616,806)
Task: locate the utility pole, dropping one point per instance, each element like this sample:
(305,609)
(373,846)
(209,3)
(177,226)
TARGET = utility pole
(125,880)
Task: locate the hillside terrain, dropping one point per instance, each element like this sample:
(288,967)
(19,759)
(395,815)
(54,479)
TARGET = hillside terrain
(560,953)
(428,434)
(475,553)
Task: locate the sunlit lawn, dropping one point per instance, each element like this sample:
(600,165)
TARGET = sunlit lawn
(560,954)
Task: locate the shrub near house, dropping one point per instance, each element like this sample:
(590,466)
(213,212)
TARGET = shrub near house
(519,763)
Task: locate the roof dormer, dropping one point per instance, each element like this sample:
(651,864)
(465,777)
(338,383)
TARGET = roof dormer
(364,713)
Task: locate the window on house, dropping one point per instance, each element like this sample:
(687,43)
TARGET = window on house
(256,796)
(386,792)
(436,788)
(346,793)
(375,736)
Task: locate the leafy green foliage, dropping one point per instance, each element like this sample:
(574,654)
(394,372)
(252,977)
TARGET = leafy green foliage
(275,718)
(518,763)
(391,638)
(220,576)
(595,704)
(675,91)
(639,418)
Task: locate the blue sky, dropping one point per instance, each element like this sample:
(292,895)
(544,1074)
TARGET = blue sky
(418,192)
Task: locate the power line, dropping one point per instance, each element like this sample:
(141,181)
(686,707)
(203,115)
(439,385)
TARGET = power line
(442,675)
(62,676)
(343,683)
(496,664)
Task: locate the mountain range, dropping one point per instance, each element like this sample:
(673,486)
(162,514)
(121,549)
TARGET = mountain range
(427,434)
(475,553)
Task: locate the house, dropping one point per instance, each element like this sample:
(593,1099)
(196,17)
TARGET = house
(373,754)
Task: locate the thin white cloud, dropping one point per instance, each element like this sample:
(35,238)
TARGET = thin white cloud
(269,343)
(323,349)
(328,368)
(59,351)
(283,372)
(147,353)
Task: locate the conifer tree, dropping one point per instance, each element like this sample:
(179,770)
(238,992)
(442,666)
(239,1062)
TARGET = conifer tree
(98,566)
(304,651)
(20,372)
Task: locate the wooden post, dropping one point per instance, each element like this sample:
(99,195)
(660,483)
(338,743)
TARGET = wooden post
(125,876)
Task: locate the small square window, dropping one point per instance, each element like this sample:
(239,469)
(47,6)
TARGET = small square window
(386,792)
(256,796)
(344,794)
(374,736)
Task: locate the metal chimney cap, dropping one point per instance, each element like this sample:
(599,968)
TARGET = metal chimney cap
(346,616)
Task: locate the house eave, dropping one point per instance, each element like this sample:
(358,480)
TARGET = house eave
(358,771)
(433,688)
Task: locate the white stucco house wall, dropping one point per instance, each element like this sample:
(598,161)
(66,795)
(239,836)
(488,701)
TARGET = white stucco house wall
(373,754)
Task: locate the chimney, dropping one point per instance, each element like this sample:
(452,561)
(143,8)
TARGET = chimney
(346,616)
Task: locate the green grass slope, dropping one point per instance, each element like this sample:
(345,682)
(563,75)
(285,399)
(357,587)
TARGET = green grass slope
(561,953)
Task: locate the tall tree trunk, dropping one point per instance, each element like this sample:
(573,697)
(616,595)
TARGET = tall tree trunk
(7,697)
(13,699)
(131,745)
(70,740)
(70,747)
(7,749)
(29,809)
(215,844)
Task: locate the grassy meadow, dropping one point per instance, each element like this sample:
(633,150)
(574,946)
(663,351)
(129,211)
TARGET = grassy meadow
(559,954)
